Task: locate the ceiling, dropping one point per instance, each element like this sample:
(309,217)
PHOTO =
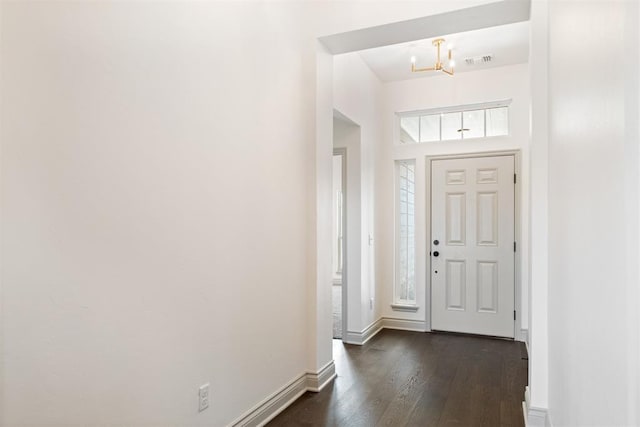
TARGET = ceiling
(508,44)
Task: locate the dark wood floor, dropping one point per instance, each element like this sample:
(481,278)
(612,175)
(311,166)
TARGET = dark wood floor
(418,379)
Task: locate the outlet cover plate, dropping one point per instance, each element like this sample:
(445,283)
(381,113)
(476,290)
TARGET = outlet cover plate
(203,397)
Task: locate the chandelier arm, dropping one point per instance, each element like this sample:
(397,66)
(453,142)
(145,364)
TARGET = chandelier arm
(448,72)
(417,70)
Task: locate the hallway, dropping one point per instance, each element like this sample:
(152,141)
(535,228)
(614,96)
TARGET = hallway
(336,305)
(404,378)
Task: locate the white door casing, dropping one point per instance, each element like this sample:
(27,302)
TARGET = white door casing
(472,218)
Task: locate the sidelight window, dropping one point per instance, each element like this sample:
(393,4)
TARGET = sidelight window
(405,278)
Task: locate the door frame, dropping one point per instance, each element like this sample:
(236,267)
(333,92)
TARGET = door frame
(342,151)
(517,331)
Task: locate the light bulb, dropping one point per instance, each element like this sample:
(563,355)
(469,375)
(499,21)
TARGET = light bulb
(450,46)
(452,63)
(413,59)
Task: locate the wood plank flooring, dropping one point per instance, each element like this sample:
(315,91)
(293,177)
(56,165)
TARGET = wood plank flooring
(404,378)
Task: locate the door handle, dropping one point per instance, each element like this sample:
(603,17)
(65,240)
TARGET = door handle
(436,253)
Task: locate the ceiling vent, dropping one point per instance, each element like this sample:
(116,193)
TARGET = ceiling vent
(479,60)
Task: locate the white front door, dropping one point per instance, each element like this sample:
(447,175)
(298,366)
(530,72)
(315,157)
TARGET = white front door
(472,245)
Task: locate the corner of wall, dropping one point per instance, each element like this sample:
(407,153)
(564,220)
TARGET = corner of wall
(533,416)
(280,400)
(319,299)
(523,336)
(360,338)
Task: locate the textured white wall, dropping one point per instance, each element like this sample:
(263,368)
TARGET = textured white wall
(593,214)
(511,82)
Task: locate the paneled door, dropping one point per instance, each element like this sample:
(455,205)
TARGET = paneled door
(472,245)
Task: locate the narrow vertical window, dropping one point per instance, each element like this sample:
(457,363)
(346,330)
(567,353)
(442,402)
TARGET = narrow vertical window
(405,233)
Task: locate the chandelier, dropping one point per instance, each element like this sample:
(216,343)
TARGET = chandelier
(438,65)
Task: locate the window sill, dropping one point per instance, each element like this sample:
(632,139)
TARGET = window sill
(405,307)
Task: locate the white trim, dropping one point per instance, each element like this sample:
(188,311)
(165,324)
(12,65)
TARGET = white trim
(359,338)
(456,108)
(524,337)
(316,381)
(266,410)
(396,238)
(539,238)
(405,307)
(404,324)
(277,402)
(533,416)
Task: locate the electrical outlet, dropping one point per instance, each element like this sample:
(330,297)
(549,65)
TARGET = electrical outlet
(203,397)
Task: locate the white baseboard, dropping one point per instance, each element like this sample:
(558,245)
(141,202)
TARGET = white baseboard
(526,344)
(359,338)
(523,336)
(404,324)
(316,381)
(533,416)
(266,410)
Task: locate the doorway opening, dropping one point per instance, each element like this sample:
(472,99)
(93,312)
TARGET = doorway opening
(346,224)
(338,280)
(368,281)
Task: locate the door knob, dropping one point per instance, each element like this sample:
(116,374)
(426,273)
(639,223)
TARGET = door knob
(436,253)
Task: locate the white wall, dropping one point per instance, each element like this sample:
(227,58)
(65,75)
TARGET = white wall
(147,151)
(145,242)
(357,93)
(538,208)
(494,84)
(593,214)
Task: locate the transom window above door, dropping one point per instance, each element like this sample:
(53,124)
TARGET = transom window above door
(454,123)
